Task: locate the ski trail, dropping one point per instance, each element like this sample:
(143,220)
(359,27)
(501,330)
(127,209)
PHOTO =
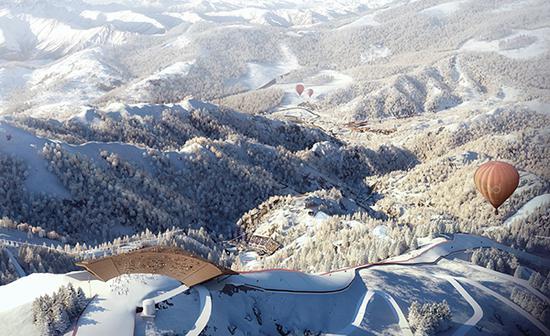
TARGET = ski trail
(524,283)
(403,323)
(206,311)
(509,303)
(170,294)
(359,315)
(20,272)
(478,312)
(362,308)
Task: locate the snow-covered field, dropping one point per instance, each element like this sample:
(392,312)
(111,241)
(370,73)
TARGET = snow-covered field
(347,302)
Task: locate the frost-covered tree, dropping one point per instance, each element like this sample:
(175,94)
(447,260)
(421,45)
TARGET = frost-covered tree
(429,318)
(54,314)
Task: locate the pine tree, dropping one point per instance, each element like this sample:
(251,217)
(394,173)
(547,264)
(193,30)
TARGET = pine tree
(61,320)
(81,298)
(518,272)
(536,280)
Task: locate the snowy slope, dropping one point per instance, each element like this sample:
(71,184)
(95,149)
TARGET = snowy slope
(339,303)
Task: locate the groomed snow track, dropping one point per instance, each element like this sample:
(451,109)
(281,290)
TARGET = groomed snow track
(429,255)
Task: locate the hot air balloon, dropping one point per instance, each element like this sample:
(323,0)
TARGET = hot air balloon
(309,92)
(496,181)
(299,89)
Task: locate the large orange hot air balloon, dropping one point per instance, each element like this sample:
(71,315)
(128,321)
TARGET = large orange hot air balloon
(309,92)
(496,181)
(299,89)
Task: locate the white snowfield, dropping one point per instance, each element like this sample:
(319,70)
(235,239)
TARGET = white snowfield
(443,10)
(536,43)
(112,312)
(284,280)
(261,74)
(509,303)
(528,208)
(478,312)
(205,311)
(403,323)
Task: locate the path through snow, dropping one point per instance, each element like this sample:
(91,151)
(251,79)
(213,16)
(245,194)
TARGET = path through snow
(478,312)
(507,302)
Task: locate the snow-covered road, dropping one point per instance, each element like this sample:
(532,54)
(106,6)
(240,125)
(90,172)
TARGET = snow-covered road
(206,311)
(478,312)
(507,302)
(354,327)
(170,294)
(523,283)
(403,323)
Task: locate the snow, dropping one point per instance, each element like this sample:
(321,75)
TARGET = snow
(373,299)
(528,208)
(380,232)
(532,50)
(25,290)
(125,16)
(480,274)
(515,5)
(113,310)
(366,20)
(321,216)
(379,318)
(184,312)
(28,147)
(186,16)
(178,68)
(18,269)
(205,311)
(72,82)
(56,37)
(291,98)
(293,281)
(12,77)
(249,259)
(508,303)
(18,321)
(478,312)
(353,223)
(402,320)
(260,74)
(16,236)
(375,52)
(181,41)
(444,9)
(250,15)
(330,312)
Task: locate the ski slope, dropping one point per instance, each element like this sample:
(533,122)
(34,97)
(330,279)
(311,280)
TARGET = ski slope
(114,303)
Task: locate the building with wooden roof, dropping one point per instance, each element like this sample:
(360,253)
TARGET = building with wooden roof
(170,261)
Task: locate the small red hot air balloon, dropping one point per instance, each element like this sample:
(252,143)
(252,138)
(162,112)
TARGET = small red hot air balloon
(309,92)
(496,181)
(299,89)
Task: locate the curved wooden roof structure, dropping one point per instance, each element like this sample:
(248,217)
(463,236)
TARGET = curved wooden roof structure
(170,261)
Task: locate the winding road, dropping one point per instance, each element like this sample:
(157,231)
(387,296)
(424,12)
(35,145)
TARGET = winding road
(478,312)
(509,303)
